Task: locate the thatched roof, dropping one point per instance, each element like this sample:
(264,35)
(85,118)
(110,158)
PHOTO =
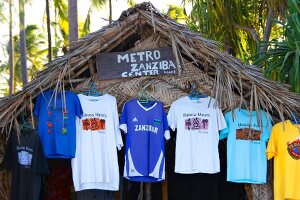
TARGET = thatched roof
(216,73)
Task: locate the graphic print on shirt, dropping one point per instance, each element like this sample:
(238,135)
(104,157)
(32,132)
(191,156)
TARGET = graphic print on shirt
(146,127)
(294,149)
(56,111)
(135,120)
(93,122)
(24,156)
(196,122)
(246,133)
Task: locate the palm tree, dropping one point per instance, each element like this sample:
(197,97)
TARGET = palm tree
(95,4)
(98,4)
(2,16)
(72,15)
(241,32)
(36,55)
(177,13)
(60,17)
(48,31)
(110,11)
(281,62)
(11,82)
(73,22)
(23,42)
(61,26)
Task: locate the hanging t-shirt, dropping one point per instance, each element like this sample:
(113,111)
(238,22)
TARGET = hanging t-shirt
(27,163)
(95,165)
(56,122)
(246,146)
(198,123)
(284,146)
(145,126)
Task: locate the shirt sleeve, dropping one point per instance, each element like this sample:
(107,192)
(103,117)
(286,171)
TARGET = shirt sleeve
(77,105)
(39,162)
(172,117)
(118,137)
(165,124)
(268,129)
(225,131)
(272,148)
(221,120)
(123,119)
(37,105)
(8,156)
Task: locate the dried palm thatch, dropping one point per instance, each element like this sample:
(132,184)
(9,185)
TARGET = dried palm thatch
(4,174)
(216,73)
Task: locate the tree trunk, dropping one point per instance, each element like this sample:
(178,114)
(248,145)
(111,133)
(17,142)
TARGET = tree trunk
(267,32)
(55,32)
(48,31)
(23,42)
(11,53)
(110,11)
(73,22)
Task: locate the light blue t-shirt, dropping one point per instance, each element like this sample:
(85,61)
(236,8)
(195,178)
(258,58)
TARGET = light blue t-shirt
(246,146)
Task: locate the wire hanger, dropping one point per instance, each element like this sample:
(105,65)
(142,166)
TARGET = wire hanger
(92,90)
(25,125)
(194,94)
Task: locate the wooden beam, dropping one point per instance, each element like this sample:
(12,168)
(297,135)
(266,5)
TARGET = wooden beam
(91,63)
(81,71)
(75,80)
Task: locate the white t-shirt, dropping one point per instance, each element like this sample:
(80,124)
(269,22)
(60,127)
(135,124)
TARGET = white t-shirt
(95,165)
(198,123)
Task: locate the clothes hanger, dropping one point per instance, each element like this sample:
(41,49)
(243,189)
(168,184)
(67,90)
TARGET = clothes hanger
(194,94)
(92,90)
(25,125)
(143,97)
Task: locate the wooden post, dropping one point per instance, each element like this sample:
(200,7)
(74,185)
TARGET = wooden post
(91,66)
(148,191)
(164,189)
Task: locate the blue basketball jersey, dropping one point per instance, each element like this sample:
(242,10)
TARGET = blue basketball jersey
(146,126)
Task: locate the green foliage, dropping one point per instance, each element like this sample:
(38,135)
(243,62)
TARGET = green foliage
(240,26)
(95,4)
(177,13)
(60,26)
(282,60)
(231,22)
(36,56)
(219,19)
(2,15)
(61,8)
(3,79)
(98,4)
(87,22)
(131,3)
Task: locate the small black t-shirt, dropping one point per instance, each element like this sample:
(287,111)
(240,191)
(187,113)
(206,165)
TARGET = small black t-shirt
(26,161)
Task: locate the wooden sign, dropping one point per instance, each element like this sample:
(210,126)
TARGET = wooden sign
(135,63)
